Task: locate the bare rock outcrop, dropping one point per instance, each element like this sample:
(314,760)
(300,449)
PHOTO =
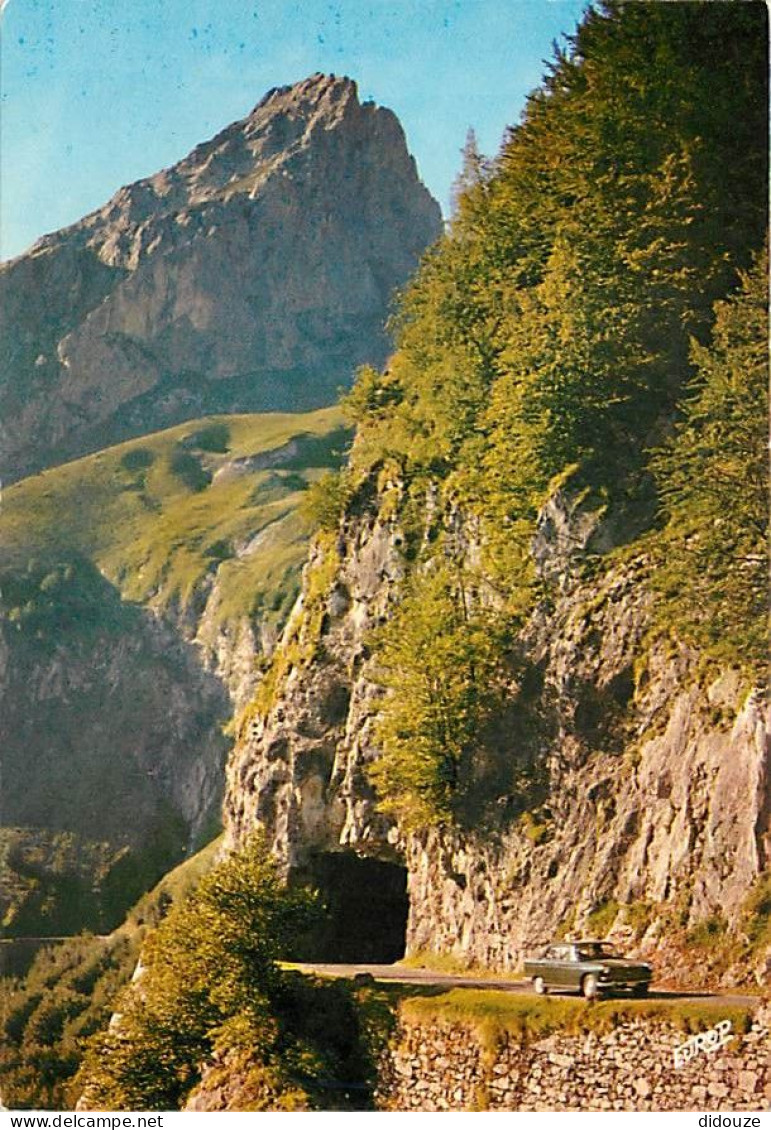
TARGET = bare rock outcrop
(299,770)
(253,275)
(112,756)
(633,791)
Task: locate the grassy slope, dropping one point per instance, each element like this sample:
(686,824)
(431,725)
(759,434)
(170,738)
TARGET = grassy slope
(493,1012)
(157,519)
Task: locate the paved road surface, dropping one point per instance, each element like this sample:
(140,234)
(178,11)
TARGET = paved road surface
(407,976)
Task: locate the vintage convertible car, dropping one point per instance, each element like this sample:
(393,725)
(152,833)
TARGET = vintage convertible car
(590,968)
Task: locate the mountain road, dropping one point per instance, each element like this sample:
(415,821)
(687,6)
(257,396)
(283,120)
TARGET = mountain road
(405,976)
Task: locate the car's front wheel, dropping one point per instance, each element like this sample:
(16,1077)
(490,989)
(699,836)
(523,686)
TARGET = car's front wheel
(589,986)
(641,990)
(539,985)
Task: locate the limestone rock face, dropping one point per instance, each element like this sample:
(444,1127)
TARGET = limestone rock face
(255,274)
(112,757)
(651,787)
(299,771)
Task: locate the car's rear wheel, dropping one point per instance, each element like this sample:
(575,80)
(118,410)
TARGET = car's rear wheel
(589,986)
(641,990)
(539,985)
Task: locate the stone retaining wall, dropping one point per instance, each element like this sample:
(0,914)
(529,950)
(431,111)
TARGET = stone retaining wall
(439,1067)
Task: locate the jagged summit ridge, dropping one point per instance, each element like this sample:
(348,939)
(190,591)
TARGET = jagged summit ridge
(237,161)
(253,274)
(324,92)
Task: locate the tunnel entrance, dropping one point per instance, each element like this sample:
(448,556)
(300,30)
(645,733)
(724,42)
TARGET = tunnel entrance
(366,908)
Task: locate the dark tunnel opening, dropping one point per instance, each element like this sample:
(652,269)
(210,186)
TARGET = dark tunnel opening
(366,908)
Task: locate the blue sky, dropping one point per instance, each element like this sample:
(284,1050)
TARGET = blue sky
(97,93)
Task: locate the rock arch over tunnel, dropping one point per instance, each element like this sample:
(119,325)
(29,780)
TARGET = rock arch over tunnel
(366,908)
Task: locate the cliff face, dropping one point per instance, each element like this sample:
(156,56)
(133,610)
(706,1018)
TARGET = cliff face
(138,590)
(255,274)
(628,794)
(112,753)
(299,769)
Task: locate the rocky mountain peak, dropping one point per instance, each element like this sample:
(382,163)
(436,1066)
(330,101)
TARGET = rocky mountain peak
(254,274)
(282,125)
(319,93)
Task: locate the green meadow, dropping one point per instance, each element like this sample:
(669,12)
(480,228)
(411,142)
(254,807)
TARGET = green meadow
(160,516)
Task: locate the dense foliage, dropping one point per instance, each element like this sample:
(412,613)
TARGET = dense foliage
(443,666)
(594,320)
(210,975)
(211,992)
(560,327)
(552,324)
(713,477)
(209,936)
(49,1013)
(52,1008)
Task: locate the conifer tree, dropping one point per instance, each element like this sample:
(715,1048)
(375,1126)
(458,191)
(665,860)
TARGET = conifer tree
(210,979)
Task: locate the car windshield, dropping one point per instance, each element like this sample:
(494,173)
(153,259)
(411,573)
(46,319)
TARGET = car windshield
(594,951)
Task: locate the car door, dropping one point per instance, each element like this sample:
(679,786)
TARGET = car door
(560,968)
(572,968)
(545,967)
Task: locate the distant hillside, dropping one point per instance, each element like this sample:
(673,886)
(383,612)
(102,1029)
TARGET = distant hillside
(254,275)
(139,588)
(69,992)
(162,515)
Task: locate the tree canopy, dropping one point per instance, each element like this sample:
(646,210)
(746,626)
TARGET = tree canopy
(552,323)
(210,980)
(557,332)
(443,666)
(713,479)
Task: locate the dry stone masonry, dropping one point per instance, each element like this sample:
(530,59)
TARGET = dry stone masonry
(444,1067)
